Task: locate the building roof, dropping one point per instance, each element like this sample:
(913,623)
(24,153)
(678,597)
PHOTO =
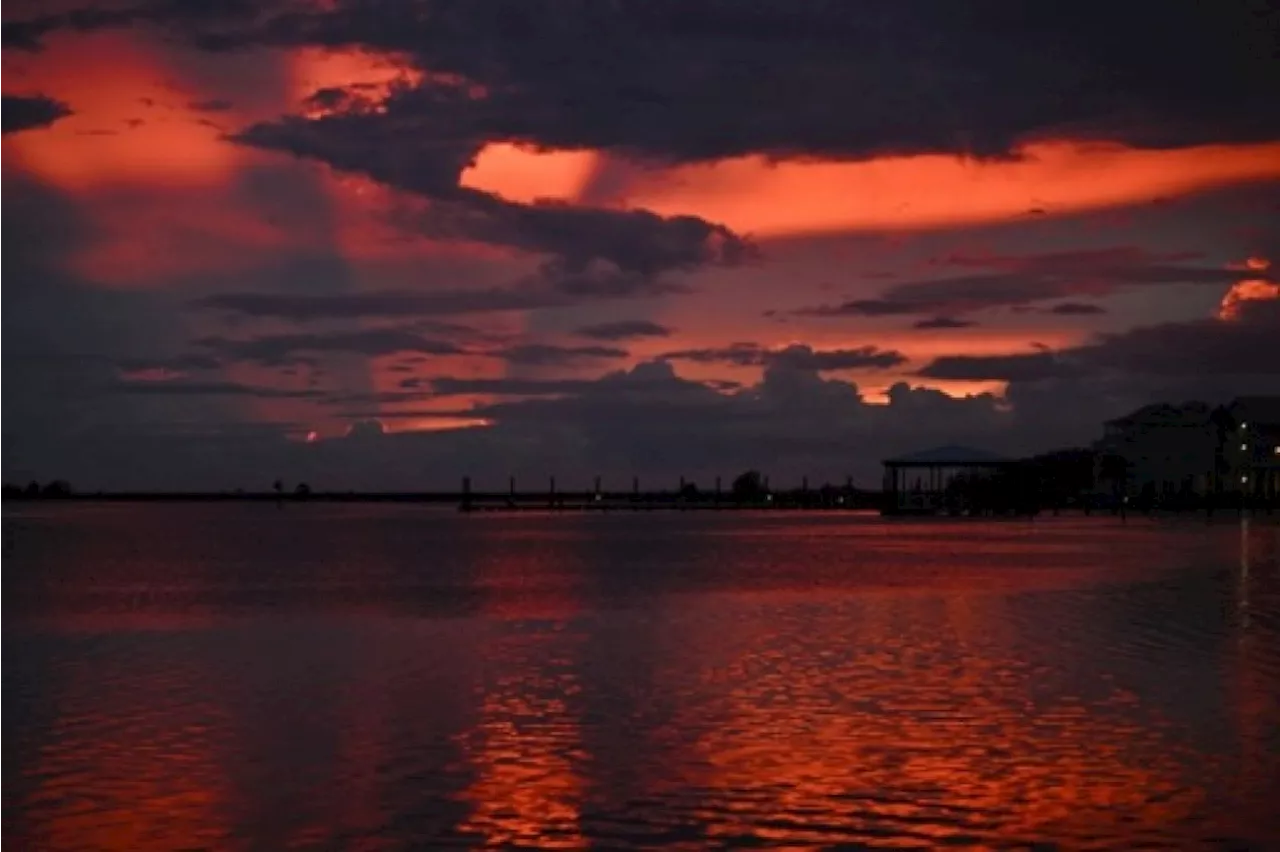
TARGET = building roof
(951,454)
(1190,413)
(1259,409)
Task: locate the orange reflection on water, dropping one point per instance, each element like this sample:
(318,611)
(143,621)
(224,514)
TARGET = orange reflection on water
(526,747)
(881,728)
(525,751)
(149,753)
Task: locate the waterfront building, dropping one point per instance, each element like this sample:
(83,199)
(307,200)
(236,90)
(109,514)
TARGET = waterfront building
(1252,447)
(1159,450)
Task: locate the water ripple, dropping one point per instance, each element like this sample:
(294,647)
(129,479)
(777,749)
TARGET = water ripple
(407,682)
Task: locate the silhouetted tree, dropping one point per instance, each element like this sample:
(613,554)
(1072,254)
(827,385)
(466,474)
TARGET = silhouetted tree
(689,491)
(302,491)
(1062,477)
(748,486)
(33,489)
(278,486)
(1114,468)
(56,488)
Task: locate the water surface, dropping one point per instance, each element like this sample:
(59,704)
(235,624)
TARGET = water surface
(394,677)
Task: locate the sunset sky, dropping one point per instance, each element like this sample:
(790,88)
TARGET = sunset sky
(385,244)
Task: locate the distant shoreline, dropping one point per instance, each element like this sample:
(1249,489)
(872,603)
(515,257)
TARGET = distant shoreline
(478,501)
(242,496)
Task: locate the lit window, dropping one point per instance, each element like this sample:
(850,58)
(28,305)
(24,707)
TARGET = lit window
(1244,447)
(1244,480)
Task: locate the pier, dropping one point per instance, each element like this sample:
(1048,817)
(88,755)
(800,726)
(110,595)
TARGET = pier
(684,497)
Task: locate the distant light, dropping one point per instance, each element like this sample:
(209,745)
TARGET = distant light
(1243,480)
(1277,450)
(312,437)
(597,496)
(1244,425)
(768,497)
(1244,446)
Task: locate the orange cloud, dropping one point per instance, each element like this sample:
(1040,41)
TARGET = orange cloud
(374,75)
(1246,291)
(526,175)
(873,384)
(773,199)
(1250,289)
(129,121)
(145,239)
(1251,264)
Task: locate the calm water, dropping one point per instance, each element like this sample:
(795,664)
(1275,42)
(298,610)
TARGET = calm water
(328,677)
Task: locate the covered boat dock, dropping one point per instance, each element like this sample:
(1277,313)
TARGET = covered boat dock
(951,479)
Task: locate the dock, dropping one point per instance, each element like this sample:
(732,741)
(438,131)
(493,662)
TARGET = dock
(685,498)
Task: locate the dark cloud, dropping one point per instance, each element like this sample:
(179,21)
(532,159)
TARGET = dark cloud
(1077,309)
(191,362)
(1020,367)
(634,246)
(820,360)
(942,322)
(1206,347)
(551,287)
(650,420)
(294,348)
(185,388)
(1019,281)
(377,398)
(276,349)
(211,105)
(634,241)
(796,356)
(542,354)
(447,386)
(676,81)
(645,420)
(1203,347)
(594,252)
(28,33)
(737,354)
(31,112)
(624,330)
(386,304)
(384,149)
